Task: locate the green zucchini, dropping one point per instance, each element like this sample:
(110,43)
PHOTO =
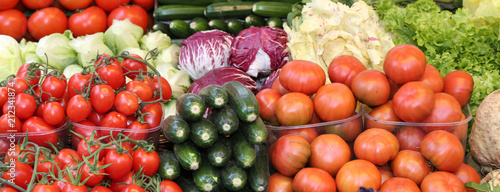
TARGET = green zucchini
(258,175)
(243,101)
(198,24)
(188,155)
(163,27)
(219,153)
(206,178)
(234,26)
(256,132)
(186,185)
(182,12)
(217,24)
(225,120)
(203,133)
(213,96)
(254,20)
(190,2)
(272,9)
(233,177)
(179,28)
(227,10)
(176,130)
(190,107)
(243,151)
(275,22)
(170,168)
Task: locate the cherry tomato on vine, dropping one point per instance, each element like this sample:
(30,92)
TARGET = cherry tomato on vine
(4,95)
(102,98)
(44,188)
(53,113)
(19,85)
(53,86)
(121,165)
(82,148)
(109,5)
(5,5)
(142,90)
(37,124)
(84,129)
(133,65)
(76,82)
(148,161)
(47,21)
(119,185)
(147,80)
(66,156)
(134,13)
(91,20)
(146,4)
(12,22)
(112,75)
(106,59)
(60,184)
(22,174)
(138,130)
(96,118)
(155,116)
(94,176)
(132,188)
(165,88)
(100,189)
(6,121)
(74,188)
(113,120)
(25,105)
(126,102)
(73,5)
(7,189)
(78,108)
(46,166)
(169,186)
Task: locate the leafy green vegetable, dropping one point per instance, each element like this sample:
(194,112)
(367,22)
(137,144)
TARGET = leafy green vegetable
(122,34)
(55,48)
(482,187)
(10,56)
(88,47)
(154,40)
(72,69)
(28,51)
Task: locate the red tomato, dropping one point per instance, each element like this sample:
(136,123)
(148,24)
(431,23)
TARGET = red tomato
(73,5)
(155,116)
(376,145)
(410,164)
(313,179)
(14,156)
(25,105)
(77,83)
(267,103)
(146,4)
(405,63)
(109,5)
(344,68)
(459,84)
(94,176)
(19,85)
(112,75)
(21,176)
(329,152)
(165,88)
(7,189)
(6,122)
(47,21)
(74,188)
(371,87)
(334,101)
(169,186)
(78,108)
(91,20)
(413,102)
(279,88)
(131,67)
(134,13)
(290,154)
(84,128)
(142,90)
(53,113)
(348,130)
(66,156)
(294,109)
(106,59)
(4,95)
(385,173)
(30,78)
(433,78)
(148,161)
(12,22)
(119,185)
(36,124)
(126,103)
(100,189)
(138,131)
(446,110)
(121,165)
(357,173)
(302,76)
(37,4)
(132,188)
(384,112)
(83,148)
(280,183)
(410,138)
(443,150)
(46,166)
(53,86)
(442,181)
(4,5)
(102,98)
(96,118)
(467,174)
(308,133)
(398,184)
(113,120)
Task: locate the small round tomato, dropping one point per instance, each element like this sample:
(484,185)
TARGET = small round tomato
(405,63)
(100,189)
(4,95)
(155,116)
(433,78)
(132,188)
(53,86)
(77,83)
(91,20)
(384,112)
(280,183)
(12,22)
(7,189)
(279,88)
(10,123)
(294,109)
(410,138)
(146,4)
(36,124)
(148,161)
(131,67)
(410,164)
(344,68)
(83,148)
(53,113)
(126,103)
(121,165)
(112,75)
(166,90)
(102,98)
(334,101)
(398,184)
(83,128)
(267,103)
(376,145)
(78,108)
(74,188)
(357,173)
(290,154)
(442,181)
(348,130)
(109,5)
(313,179)
(96,118)
(47,21)
(22,174)
(443,150)
(46,166)
(138,131)
(94,177)
(37,4)
(18,84)
(67,156)
(5,5)
(302,76)
(329,152)
(467,174)
(73,5)
(446,110)
(169,186)
(142,90)
(459,84)
(308,133)
(134,13)
(413,102)
(371,87)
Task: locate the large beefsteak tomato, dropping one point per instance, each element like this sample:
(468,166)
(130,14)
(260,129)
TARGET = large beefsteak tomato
(290,154)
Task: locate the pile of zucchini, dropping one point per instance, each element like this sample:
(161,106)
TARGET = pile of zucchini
(181,19)
(224,152)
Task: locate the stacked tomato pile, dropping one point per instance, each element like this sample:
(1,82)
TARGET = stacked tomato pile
(328,149)
(85,16)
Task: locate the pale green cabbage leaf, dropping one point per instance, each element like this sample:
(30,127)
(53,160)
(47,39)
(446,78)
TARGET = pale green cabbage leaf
(88,47)
(122,34)
(10,56)
(56,49)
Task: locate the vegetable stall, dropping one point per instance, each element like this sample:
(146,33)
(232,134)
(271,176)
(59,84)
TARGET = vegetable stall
(240,95)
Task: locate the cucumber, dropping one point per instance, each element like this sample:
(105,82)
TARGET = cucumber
(213,96)
(203,133)
(234,26)
(182,12)
(190,107)
(217,24)
(206,178)
(220,153)
(190,2)
(186,185)
(176,130)
(170,168)
(287,1)
(188,155)
(272,9)
(275,22)
(225,120)
(163,27)
(254,20)
(233,177)
(243,151)
(227,10)
(258,175)
(198,24)
(180,28)
(256,132)
(242,100)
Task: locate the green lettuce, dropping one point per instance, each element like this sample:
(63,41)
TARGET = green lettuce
(122,34)
(179,80)
(154,40)
(10,56)
(55,48)
(28,51)
(169,55)
(88,47)
(72,69)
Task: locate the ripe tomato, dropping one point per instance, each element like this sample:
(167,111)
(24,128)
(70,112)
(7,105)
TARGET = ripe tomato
(267,103)
(47,21)
(137,131)
(53,86)
(74,188)
(100,189)
(290,154)
(279,88)
(134,13)
(66,156)
(37,124)
(25,154)
(83,148)
(53,113)
(348,130)
(19,85)
(313,179)
(384,112)
(446,110)
(329,152)
(112,75)
(94,176)
(399,184)
(169,186)
(21,176)
(25,105)
(294,109)
(131,67)
(308,133)
(442,181)
(121,165)
(142,90)
(376,145)
(113,120)
(334,101)
(410,138)
(371,87)
(76,83)
(146,4)
(413,102)
(302,76)
(6,121)
(7,189)
(12,22)
(78,108)
(31,80)
(357,173)
(126,103)
(109,5)
(91,20)
(405,63)
(73,5)
(280,183)
(132,188)
(467,174)
(5,5)
(410,164)
(106,59)
(148,161)
(344,68)
(443,150)
(459,84)
(385,173)
(4,95)
(433,78)
(84,128)
(102,98)
(96,118)
(37,4)
(46,166)
(155,116)
(166,90)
